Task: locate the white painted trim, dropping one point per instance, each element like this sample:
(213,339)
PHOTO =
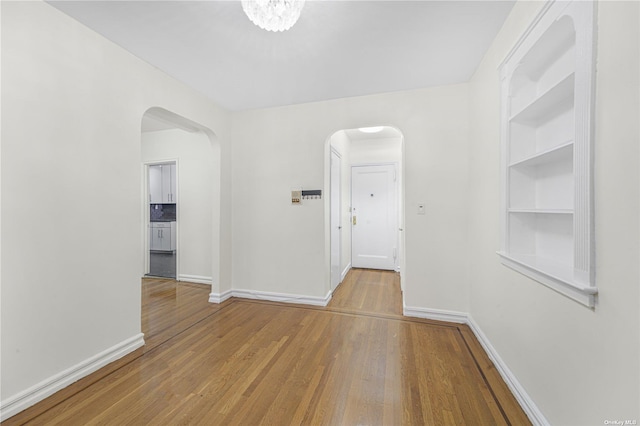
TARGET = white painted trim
(521,395)
(198,279)
(219,298)
(526,33)
(566,286)
(282,297)
(435,314)
(345,272)
(25,399)
(270,296)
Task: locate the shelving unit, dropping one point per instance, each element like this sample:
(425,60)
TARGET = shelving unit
(547,138)
(546,106)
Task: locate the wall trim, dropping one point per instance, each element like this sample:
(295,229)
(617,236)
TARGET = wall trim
(270,296)
(345,272)
(518,391)
(198,279)
(436,314)
(282,297)
(220,297)
(527,31)
(25,399)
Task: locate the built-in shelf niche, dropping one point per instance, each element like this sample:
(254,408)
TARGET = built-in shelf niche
(546,146)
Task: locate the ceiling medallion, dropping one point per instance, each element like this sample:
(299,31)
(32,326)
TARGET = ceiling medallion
(273,15)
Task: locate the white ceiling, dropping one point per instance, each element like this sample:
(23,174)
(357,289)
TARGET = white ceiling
(385,133)
(337,49)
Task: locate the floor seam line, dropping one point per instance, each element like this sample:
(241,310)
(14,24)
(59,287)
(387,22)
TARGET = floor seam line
(484,377)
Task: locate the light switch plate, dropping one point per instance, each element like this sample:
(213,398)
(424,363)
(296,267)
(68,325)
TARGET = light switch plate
(421,209)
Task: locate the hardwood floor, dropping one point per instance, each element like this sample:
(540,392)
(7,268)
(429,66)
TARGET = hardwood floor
(369,291)
(248,362)
(170,307)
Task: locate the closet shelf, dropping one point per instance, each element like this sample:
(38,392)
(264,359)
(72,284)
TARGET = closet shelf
(548,103)
(563,152)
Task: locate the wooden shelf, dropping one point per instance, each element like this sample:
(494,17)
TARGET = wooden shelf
(548,103)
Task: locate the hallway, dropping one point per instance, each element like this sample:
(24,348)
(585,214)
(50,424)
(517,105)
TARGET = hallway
(369,291)
(357,361)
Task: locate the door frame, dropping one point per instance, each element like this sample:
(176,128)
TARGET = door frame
(146,214)
(331,216)
(401,171)
(398,211)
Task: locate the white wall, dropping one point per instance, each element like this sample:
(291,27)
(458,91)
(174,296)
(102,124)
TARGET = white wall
(580,366)
(196,164)
(71,235)
(376,150)
(281,248)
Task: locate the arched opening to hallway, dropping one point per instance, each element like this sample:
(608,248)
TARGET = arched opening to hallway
(181,213)
(365,202)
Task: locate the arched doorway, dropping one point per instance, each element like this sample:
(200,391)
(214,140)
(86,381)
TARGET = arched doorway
(367,152)
(169,139)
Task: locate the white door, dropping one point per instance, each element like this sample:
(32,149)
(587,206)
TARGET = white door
(336,225)
(374,217)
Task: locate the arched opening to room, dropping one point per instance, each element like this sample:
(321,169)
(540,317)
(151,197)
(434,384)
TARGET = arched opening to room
(181,200)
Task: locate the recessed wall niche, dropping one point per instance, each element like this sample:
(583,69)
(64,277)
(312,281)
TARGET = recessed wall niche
(547,191)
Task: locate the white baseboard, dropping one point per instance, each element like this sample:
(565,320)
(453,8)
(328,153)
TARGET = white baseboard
(220,297)
(525,401)
(198,279)
(282,297)
(435,314)
(270,296)
(25,399)
(528,405)
(345,272)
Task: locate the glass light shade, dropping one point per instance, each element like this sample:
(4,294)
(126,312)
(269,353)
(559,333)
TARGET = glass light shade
(273,15)
(375,129)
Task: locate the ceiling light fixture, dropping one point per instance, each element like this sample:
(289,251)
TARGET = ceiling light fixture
(273,15)
(375,129)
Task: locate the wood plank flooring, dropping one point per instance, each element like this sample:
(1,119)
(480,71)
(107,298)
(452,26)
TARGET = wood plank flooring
(248,362)
(170,307)
(369,291)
